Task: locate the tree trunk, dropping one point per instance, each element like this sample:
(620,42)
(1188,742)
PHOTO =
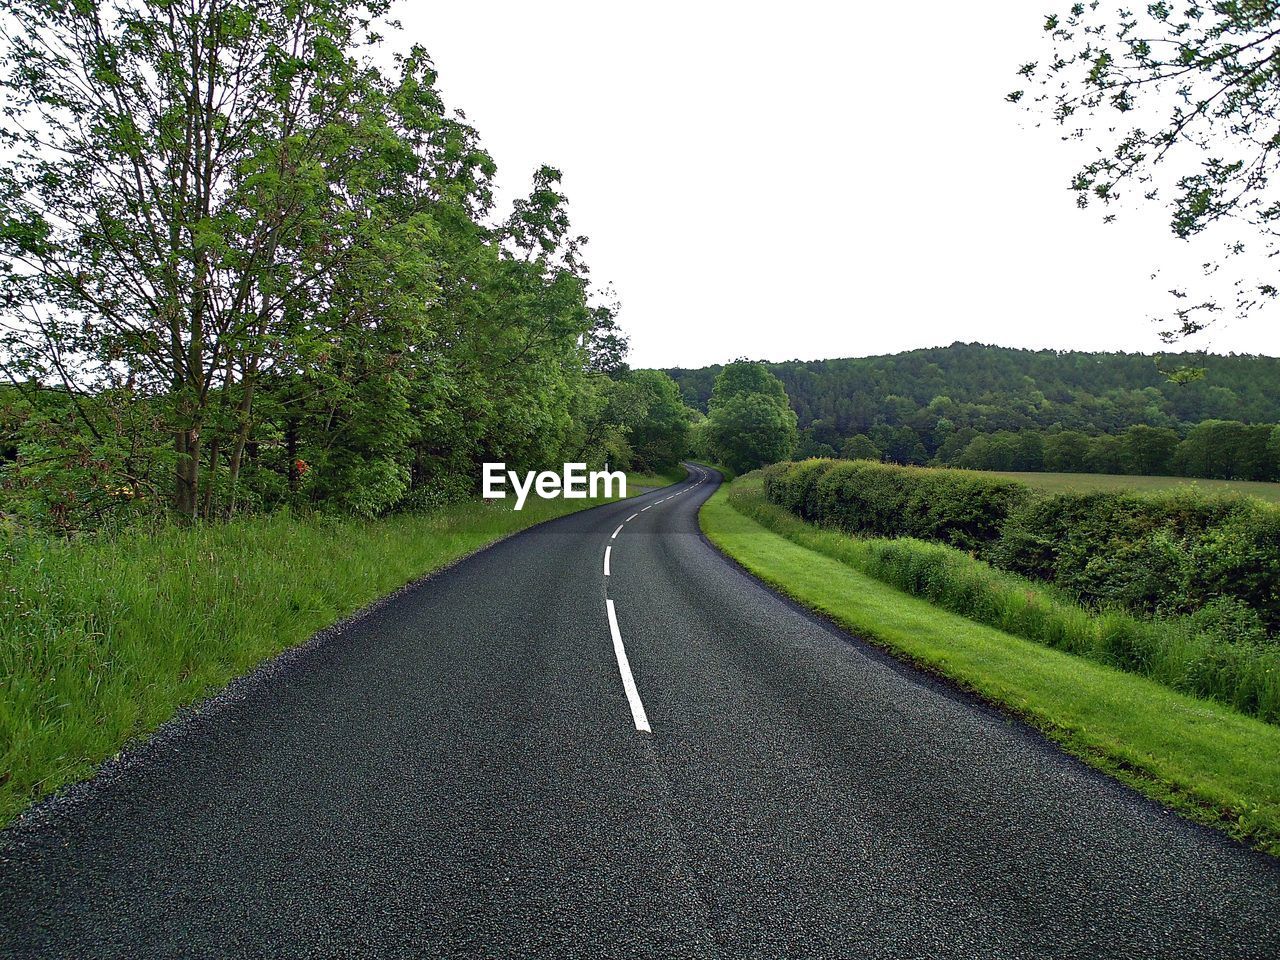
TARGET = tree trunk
(244,422)
(188,473)
(291,445)
(207,509)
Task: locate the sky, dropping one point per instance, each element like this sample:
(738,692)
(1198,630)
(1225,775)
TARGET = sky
(810,179)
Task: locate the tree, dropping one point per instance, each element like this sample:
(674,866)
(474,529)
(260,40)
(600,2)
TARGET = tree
(989,452)
(1106,454)
(1066,452)
(899,444)
(176,176)
(750,430)
(1148,451)
(750,421)
(660,436)
(1004,450)
(227,226)
(860,447)
(744,377)
(1226,450)
(1180,102)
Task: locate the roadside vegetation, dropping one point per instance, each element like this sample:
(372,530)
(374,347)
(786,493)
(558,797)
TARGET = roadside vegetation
(261,326)
(1213,763)
(104,639)
(661,479)
(1179,587)
(270,274)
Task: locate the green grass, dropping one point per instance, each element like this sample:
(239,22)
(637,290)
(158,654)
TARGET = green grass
(663,479)
(1211,763)
(1089,482)
(1178,651)
(101,642)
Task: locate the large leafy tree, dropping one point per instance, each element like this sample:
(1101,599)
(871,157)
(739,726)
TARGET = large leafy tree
(1181,105)
(660,437)
(750,422)
(177,174)
(222,223)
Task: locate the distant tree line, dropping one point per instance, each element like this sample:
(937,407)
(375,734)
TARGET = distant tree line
(995,408)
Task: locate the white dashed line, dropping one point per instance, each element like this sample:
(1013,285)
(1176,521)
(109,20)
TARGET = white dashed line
(643,509)
(618,531)
(624,668)
(607,551)
(630,518)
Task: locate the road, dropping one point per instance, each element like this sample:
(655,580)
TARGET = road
(495,764)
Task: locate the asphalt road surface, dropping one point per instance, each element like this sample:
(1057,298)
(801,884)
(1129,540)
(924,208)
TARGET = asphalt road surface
(525,756)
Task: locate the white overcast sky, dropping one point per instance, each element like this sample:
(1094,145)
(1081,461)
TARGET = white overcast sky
(809,180)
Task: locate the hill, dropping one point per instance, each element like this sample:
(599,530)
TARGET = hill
(928,405)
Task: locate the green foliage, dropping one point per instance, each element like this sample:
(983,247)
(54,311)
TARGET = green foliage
(1220,652)
(1227,450)
(859,447)
(750,421)
(1172,553)
(1164,553)
(1149,450)
(994,408)
(955,507)
(103,639)
(320,311)
(1211,762)
(1172,100)
(661,435)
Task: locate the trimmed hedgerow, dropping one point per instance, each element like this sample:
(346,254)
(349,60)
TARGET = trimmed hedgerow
(1221,651)
(1174,553)
(1166,553)
(961,509)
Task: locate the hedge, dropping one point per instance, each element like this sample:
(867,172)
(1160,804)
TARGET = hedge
(1173,553)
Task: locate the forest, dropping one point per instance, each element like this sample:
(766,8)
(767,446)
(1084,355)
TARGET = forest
(997,408)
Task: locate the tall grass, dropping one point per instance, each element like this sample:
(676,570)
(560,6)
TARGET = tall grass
(1174,651)
(103,640)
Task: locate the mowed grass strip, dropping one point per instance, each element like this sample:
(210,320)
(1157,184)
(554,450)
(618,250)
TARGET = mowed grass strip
(1214,765)
(101,642)
(1126,483)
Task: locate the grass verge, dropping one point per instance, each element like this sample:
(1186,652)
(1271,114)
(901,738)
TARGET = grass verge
(101,642)
(662,479)
(1210,763)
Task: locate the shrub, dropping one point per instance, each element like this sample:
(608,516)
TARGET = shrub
(1169,553)
(1221,651)
(950,506)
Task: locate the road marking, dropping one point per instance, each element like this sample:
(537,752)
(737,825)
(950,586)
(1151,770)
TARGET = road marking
(630,518)
(624,668)
(643,509)
(618,531)
(606,560)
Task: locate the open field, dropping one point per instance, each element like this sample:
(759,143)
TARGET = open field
(1212,763)
(101,642)
(1088,482)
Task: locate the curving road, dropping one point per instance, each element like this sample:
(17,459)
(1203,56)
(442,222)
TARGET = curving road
(525,756)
